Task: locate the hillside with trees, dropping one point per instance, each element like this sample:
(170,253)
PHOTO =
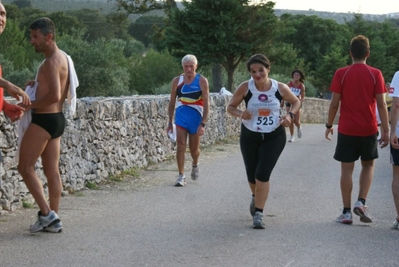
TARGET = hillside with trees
(130,49)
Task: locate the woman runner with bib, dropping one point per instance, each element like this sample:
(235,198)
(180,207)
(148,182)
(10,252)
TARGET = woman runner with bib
(262,137)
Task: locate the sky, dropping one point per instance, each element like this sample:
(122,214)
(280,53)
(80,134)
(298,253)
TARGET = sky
(378,7)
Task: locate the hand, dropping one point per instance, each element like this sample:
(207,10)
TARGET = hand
(14,112)
(285,120)
(384,140)
(328,131)
(394,141)
(246,115)
(201,130)
(18,94)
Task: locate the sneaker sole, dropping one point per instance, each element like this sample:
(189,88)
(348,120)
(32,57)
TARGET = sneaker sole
(258,226)
(43,228)
(363,218)
(179,185)
(345,222)
(52,230)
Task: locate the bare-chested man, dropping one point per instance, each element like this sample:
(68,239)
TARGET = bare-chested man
(14,112)
(42,137)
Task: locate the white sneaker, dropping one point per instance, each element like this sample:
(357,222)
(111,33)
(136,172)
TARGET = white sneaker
(195,172)
(395,225)
(44,222)
(181,180)
(362,211)
(292,139)
(299,132)
(345,218)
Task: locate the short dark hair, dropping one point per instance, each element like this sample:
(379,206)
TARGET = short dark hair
(45,25)
(359,47)
(258,58)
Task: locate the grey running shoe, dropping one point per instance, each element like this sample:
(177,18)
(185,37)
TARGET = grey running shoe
(299,132)
(195,172)
(252,207)
(345,218)
(44,221)
(361,210)
(395,225)
(181,180)
(258,221)
(55,228)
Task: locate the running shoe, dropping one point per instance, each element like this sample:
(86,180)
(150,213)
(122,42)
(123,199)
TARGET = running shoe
(181,180)
(299,132)
(292,139)
(55,228)
(44,221)
(396,224)
(195,172)
(252,206)
(345,218)
(361,210)
(258,221)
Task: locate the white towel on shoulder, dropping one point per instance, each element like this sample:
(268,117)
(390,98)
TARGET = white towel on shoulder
(73,84)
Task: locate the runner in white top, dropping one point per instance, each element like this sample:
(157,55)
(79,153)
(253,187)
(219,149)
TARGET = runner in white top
(262,137)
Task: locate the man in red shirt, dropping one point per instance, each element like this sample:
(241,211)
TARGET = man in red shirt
(356,90)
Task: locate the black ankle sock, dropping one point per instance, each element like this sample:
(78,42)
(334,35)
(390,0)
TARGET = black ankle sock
(260,210)
(345,210)
(362,200)
(253,195)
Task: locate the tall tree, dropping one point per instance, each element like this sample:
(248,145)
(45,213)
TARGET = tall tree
(221,32)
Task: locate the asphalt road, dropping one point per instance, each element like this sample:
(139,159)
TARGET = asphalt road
(149,222)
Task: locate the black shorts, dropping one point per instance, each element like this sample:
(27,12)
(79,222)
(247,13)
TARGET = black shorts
(350,148)
(394,156)
(53,123)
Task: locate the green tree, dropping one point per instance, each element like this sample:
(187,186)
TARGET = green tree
(152,70)
(22,3)
(143,28)
(100,65)
(222,32)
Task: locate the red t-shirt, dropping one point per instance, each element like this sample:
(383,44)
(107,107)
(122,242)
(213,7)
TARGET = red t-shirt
(358,84)
(1,91)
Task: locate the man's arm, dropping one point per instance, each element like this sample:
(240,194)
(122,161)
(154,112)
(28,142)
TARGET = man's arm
(332,112)
(205,98)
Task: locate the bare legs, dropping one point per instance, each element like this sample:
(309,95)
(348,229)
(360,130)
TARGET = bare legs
(194,146)
(35,143)
(261,192)
(365,180)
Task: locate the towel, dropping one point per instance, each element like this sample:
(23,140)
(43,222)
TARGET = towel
(25,120)
(73,84)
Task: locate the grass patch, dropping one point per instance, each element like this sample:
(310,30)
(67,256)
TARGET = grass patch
(27,205)
(133,172)
(79,194)
(91,185)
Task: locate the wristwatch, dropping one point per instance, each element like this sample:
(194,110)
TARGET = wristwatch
(292,115)
(203,124)
(328,126)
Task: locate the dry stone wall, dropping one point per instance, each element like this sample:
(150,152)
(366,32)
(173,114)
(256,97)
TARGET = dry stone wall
(107,136)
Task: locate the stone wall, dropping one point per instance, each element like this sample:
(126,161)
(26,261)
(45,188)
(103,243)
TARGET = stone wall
(110,135)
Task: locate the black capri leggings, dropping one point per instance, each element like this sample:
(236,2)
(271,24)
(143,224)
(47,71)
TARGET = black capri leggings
(261,151)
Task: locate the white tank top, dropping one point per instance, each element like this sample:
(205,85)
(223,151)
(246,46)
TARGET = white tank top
(264,107)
